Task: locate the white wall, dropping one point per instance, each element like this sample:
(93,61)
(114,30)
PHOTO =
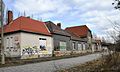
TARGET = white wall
(12,45)
(31,40)
(15,43)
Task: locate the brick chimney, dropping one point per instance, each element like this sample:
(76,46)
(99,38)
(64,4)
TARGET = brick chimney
(59,25)
(10,16)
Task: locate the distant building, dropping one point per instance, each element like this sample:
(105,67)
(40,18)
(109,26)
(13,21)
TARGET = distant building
(61,38)
(65,42)
(84,33)
(96,45)
(77,44)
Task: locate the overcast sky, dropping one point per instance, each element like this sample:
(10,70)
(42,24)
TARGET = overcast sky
(93,13)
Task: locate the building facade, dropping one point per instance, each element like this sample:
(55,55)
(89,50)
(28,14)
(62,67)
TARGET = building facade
(27,38)
(77,44)
(61,38)
(84,33)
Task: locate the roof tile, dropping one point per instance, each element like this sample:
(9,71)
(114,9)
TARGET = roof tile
(26,24)
(80,31)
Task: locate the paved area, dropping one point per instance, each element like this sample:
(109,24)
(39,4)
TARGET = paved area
(51,66)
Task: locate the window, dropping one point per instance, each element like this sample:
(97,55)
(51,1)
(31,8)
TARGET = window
(80,47)
(11,42)
(16,38)
(43,43)
(42,38)
(84,46)
(7,43)
(73,45)
(62,46)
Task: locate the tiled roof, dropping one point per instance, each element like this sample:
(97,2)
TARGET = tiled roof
(26,24)
(73,36)
(80,31)
(55,29)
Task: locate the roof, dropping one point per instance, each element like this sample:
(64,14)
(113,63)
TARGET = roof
(28,25)
(54,29)
(80,31)
(73,36)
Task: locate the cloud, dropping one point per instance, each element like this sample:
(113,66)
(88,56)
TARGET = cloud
(93,13)
(41,7)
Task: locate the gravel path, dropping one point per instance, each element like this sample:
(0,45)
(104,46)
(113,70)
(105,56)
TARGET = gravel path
(51,66)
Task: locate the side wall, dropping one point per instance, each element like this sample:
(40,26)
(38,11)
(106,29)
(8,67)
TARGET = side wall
(89,41)
(30,46)
(12,45)
(58,38)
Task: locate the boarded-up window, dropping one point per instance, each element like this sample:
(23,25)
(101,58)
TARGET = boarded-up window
(80,47)
(62,46)
(7,43)
(11,42)
(16,38)
(84,46)
(73,45)
(43,43)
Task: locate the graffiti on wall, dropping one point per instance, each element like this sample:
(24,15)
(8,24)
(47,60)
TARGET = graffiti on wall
(34,52)
(30,50)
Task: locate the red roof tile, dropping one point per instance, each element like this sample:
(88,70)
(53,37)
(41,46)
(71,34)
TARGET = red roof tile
(26,24)
(80,31)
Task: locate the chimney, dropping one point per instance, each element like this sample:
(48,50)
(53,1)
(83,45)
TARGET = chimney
(10,16)
(59,25)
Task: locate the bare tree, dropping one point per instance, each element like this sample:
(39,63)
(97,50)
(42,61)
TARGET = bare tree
(116,4)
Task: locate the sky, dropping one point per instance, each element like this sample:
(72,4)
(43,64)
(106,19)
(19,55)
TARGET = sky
(93,13)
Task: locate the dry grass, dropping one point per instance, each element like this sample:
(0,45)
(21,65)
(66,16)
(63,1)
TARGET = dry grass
(104,64)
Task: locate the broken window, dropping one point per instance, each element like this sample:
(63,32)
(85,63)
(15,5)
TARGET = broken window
(43,43)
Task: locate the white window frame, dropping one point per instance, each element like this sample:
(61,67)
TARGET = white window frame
(43,39)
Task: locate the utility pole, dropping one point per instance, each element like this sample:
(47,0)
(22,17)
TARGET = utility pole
(2,35)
